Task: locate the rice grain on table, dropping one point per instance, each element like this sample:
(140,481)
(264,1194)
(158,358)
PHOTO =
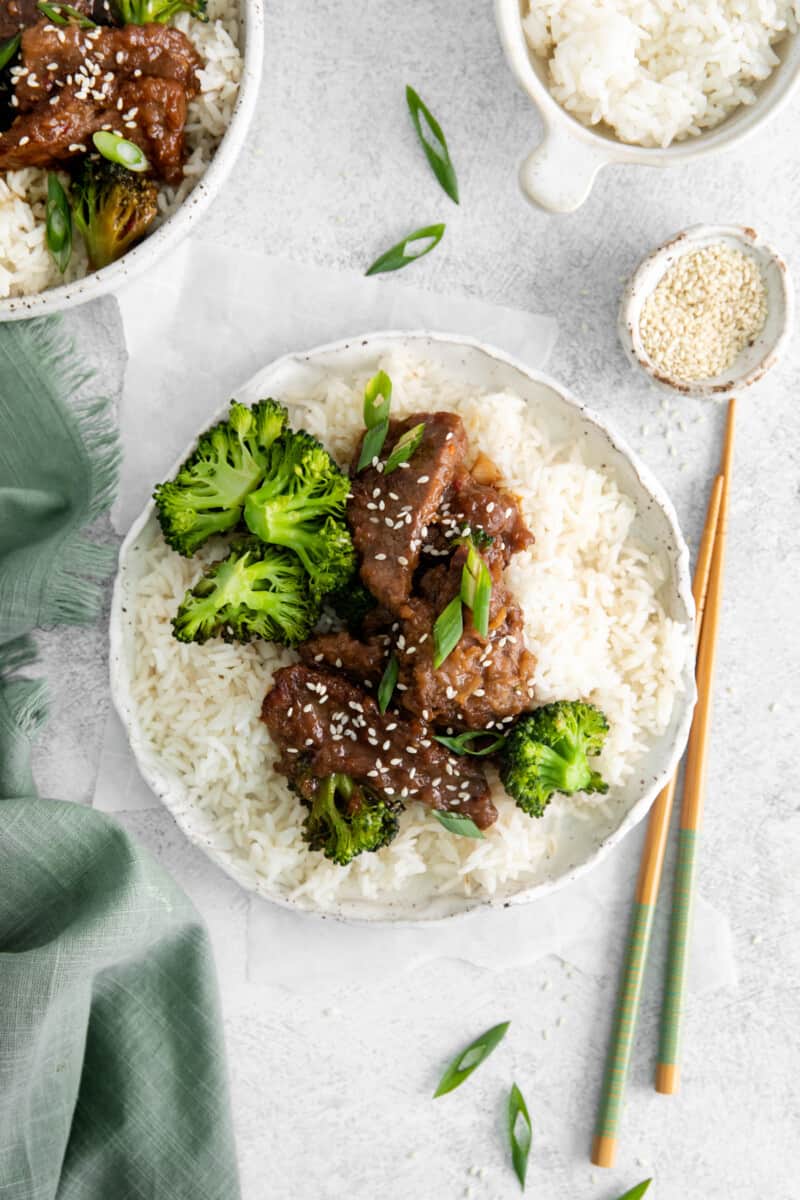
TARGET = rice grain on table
(26,266)
(593,619)
(657,72)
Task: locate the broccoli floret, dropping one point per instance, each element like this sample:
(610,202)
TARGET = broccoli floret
(256,592)
(548,751)
(352,604)
(301,505)
(208,493)
(141,12)
(346,819)
(112,207)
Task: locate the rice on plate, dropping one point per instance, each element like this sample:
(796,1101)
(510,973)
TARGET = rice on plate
(594,598)
(659,72)
(26,265)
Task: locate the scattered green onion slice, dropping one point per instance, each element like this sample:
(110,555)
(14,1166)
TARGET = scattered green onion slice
(388,683)
(58,223)
(119,150)
(404,448)
(458,823)
(476,590)
(460,743)
(65,14)
(637,1192)
(475,1053)
(520,1133)
(376,418)
(398,255)
(437,154)
(8,49)
(447,631)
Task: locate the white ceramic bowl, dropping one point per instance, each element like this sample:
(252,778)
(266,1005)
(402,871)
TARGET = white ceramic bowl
(754,361)
(176,227)
(559,174)
(581,843)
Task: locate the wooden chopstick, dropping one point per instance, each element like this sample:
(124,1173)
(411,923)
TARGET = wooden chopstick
(668,1067)
(652,862)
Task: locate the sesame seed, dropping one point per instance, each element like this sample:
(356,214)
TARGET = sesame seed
(706,308)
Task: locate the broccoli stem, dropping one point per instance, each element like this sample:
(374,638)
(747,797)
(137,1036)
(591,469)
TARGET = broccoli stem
(564,770)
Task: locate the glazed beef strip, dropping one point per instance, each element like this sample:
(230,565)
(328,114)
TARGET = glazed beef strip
(136,81)
(389,515)
(364,661)
(469,506)
(16,15)
(322,722)
(483,682)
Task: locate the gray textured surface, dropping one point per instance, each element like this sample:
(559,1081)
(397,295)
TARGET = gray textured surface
(331,1097)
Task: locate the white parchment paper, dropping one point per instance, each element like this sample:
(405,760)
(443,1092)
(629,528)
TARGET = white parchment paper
(216,317)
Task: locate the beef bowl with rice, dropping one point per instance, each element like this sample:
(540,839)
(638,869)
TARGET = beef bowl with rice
(119,120)
(407,631)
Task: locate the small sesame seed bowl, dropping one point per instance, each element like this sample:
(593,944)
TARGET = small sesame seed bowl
(708,312)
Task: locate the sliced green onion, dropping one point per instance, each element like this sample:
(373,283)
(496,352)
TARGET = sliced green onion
(376,418)
(404,448)
(119,150)
(637,1192)
(399,257)
(372,445)
(466,1062)
(438,154)
(58,223)
(379,385)
(388,683)
(447,631)
(476,590)
(461,743)
(65,14)
(458,823)
(9,49)
(520,1133)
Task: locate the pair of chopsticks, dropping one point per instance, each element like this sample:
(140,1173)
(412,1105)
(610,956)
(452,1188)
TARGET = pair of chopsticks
(707,590)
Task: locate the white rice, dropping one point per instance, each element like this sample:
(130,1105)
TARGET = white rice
(26,266)
(657,70)
(593,619)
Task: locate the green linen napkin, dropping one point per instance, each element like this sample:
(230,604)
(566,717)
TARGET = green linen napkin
(112,1075)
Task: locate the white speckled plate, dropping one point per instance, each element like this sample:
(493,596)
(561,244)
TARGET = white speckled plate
(581,843)
(178,225)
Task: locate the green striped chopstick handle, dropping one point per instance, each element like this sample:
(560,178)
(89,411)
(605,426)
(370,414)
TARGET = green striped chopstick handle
(677,962)
(619,1055)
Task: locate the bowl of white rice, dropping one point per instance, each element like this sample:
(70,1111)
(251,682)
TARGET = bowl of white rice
(632,81)
(606,594)
(231,46)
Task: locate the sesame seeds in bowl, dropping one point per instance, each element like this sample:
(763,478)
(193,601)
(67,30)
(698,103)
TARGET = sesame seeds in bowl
(708,312)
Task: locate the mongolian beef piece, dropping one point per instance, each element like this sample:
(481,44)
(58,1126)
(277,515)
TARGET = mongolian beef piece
(389,516)
(135,81)
(325,725)
(483,682)
(485,511)
(16,15)
(363,661)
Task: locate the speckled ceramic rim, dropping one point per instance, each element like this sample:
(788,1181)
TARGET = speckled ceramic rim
(394,912)
(176,227)
(768,346)
(559,173)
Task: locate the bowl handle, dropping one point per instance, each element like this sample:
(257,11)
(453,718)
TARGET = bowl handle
(559,174)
